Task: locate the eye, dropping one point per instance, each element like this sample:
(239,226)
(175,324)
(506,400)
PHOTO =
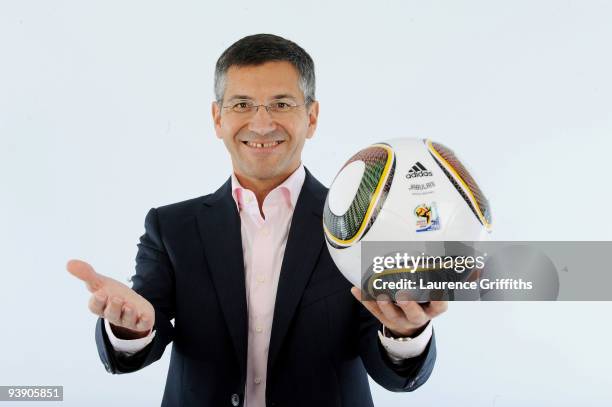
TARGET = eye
(280,106)
(241,106)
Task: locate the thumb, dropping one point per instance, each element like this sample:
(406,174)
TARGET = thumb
(83,271)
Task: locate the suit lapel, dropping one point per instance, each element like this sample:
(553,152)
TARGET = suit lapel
(304,244)
(219,224)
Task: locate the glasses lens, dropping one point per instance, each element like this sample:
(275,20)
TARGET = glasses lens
(280,107)
(243,107)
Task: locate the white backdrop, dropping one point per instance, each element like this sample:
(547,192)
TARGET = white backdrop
(105,113)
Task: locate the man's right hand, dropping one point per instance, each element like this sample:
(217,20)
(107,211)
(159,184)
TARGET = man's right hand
(131,316)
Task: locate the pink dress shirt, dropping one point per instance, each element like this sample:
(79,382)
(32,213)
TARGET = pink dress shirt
(263,245)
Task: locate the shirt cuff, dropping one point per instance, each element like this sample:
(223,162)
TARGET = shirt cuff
(127,346)
(406,348)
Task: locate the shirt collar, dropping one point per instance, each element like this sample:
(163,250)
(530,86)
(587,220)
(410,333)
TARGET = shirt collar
(290,188)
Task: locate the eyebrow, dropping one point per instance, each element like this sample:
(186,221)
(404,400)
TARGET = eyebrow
(283,96)
(280,96)
(240,97)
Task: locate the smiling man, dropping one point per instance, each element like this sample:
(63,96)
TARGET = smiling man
(265,141)
(262,316)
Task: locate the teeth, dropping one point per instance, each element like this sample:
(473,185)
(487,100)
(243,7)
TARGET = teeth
(261,145)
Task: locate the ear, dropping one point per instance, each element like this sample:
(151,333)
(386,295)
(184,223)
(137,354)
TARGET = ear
(216,115)
(313,118)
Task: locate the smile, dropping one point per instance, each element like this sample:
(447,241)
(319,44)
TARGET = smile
(263,145)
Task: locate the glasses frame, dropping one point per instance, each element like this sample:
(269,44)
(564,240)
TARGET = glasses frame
(255,108)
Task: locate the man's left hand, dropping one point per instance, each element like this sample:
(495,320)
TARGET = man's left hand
(405,317)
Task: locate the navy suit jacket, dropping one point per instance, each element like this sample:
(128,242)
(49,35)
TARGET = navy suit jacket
(190,267)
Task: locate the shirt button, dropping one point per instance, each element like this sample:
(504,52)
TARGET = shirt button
(265,231)
(235,400)
(257,380)
(260,279)
(258,329)
(249,199)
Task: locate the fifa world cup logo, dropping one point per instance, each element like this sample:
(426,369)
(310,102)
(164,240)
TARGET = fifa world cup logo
(423,211)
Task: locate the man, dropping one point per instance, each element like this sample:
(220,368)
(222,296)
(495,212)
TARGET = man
(262,317)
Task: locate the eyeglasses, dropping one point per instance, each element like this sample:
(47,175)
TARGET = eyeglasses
(245,107)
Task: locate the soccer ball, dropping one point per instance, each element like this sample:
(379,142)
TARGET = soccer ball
(405,189)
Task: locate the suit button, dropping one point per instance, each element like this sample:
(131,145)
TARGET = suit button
(235,400)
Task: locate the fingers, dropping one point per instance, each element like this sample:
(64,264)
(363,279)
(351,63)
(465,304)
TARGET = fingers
(144,323)
(411,309)
(413,312)
(129,318)
(113,309)
(435,308)
(120,313)
(97,303)
(387,312)
(383,309)
(403,316)
(392,313)
(83,271)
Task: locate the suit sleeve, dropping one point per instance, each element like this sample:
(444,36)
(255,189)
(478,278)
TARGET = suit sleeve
(408,375)
(154,280)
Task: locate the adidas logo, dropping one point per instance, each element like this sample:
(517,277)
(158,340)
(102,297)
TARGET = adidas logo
(418,170)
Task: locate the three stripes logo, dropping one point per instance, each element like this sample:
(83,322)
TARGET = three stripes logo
(418,170)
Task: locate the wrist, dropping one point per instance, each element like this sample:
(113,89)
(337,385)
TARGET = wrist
(407,334)
(127,334)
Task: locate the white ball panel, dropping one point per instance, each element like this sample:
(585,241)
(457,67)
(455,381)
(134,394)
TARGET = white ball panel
(345,187)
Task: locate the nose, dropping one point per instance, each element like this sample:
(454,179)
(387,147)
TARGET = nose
(262,122)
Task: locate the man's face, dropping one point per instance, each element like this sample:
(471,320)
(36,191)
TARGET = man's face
(282,133)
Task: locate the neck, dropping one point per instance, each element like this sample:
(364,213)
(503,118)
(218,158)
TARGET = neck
(262,187)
